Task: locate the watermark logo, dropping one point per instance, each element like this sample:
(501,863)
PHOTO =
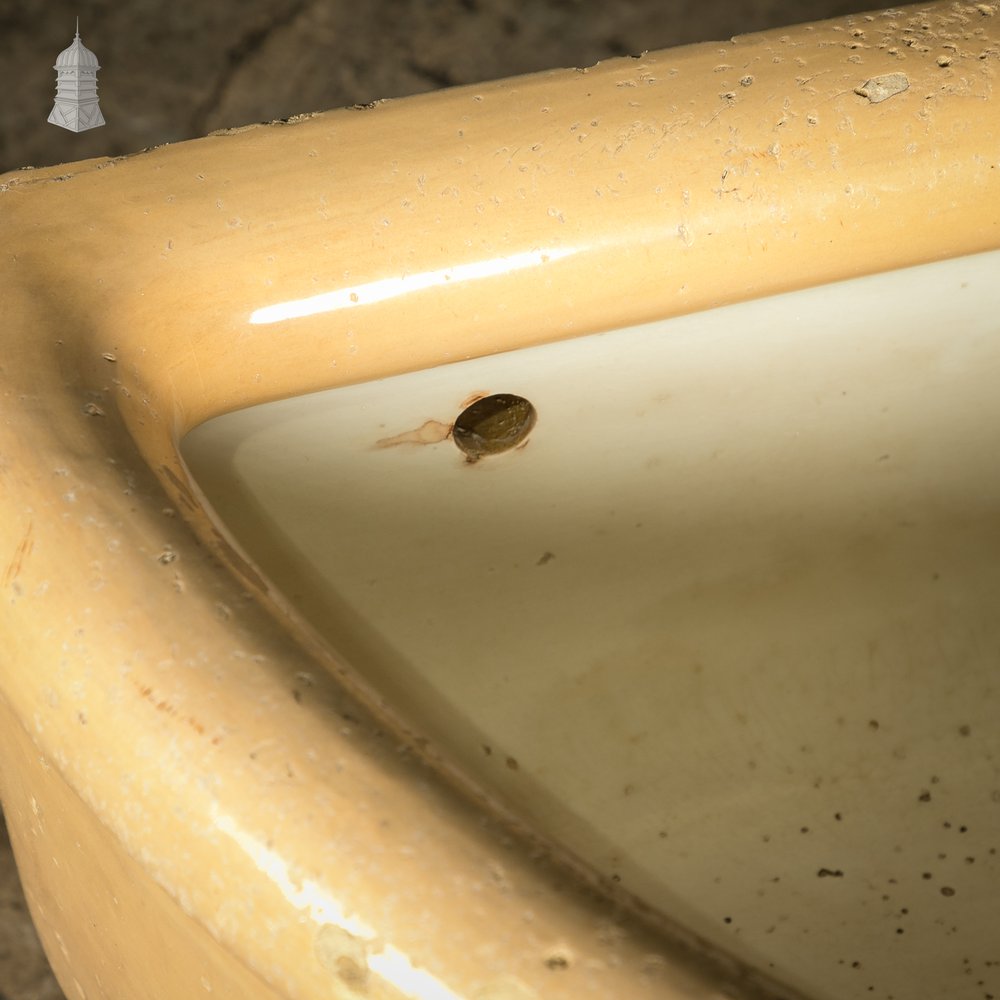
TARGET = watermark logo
(76,106)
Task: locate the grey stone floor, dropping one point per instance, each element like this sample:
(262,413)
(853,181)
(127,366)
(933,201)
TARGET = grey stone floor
(176,71)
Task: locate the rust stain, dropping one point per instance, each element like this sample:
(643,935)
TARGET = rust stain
(240,566)
(163,705)
(21,553)
(473,398)
(429,432)
(180,487)
(243,568)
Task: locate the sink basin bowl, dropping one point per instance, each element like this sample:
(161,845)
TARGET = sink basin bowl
(689,692)
(725,627)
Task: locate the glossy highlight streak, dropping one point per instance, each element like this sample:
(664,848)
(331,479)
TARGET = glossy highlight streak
(307,895)
(389,288)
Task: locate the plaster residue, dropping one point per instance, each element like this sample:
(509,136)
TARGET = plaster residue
(881,88)
(291,120)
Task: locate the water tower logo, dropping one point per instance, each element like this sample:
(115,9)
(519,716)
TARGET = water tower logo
(76,106)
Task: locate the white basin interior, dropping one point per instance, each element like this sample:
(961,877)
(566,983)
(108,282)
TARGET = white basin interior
(728,627)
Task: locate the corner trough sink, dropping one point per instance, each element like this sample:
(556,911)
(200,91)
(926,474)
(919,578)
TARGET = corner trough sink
(690,693)
(725,627)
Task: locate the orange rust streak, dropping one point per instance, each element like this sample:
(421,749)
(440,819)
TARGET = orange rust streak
(164,705)
(22,551)
(429,432)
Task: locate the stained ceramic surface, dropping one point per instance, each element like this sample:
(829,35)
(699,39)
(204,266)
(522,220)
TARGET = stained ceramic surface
(725,626)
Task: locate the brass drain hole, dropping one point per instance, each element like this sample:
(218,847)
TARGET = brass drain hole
(493,425)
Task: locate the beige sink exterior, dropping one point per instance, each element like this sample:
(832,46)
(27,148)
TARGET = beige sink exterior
(203,798)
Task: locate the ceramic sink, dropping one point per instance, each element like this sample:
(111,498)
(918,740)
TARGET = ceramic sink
(675,678)
(724,626)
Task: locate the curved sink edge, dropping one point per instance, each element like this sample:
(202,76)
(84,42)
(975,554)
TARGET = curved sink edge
(156,420)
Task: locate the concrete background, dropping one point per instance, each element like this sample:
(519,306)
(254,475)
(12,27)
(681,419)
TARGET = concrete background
(176,71)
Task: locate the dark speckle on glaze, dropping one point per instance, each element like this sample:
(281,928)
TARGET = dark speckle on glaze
(492,425)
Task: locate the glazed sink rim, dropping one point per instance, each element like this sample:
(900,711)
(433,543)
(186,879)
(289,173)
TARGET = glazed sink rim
(159,260)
